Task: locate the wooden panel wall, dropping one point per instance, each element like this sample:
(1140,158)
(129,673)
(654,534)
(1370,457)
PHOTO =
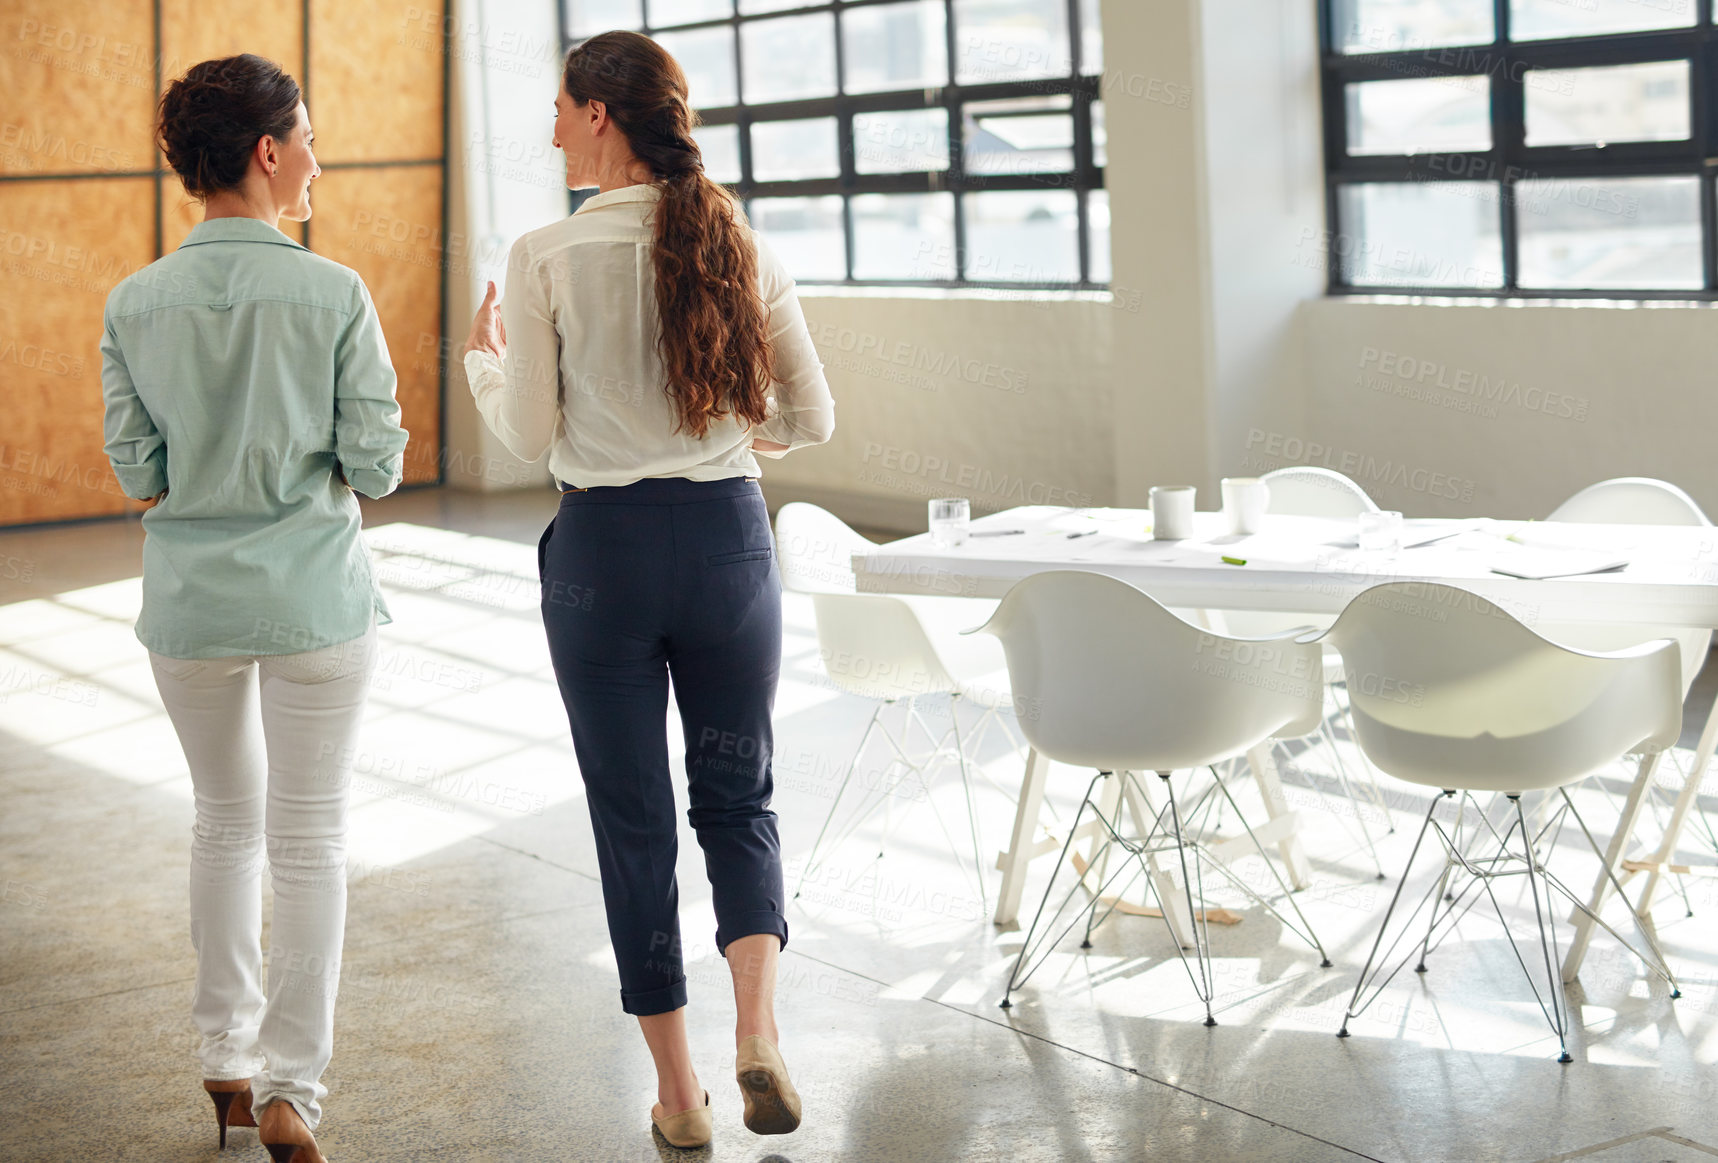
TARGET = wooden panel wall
(86,199)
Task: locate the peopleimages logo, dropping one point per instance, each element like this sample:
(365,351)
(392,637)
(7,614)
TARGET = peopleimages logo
(1267,451)
(1466,382)
(886,464)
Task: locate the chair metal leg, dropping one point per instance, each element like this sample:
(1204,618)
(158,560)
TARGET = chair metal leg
(1203,985)
(1354,1006)
(1656,963)
(1304,930)
(1348,791)
(853,764)
(971,808)
(1346,710)
(1559,1014)
(1612,859)
(1443,890)
(1018,976)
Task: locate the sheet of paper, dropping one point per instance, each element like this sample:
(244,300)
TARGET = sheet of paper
(1538,564)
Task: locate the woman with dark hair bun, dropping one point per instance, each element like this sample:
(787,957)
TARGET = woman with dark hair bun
(249,395)
(651,344)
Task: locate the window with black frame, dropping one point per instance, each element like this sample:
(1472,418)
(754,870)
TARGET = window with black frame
(1549,148)
(898,142)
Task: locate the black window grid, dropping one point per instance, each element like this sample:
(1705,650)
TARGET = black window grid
(1083,178)
(1510,160)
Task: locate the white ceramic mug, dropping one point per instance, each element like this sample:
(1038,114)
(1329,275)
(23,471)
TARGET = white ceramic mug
(1171,512)
(1245,500)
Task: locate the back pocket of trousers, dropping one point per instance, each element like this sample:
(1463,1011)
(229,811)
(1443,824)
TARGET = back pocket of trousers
(739,555)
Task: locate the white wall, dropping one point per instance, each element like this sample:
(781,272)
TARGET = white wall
(1505,410)
(1006,401)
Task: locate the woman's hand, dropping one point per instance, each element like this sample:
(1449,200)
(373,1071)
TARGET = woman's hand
(487,332)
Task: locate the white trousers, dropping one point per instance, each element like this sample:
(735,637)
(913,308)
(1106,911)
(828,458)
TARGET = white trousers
(269,740)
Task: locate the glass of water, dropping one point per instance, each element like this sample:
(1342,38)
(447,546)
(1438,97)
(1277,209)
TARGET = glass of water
(949,518)
(1380,532)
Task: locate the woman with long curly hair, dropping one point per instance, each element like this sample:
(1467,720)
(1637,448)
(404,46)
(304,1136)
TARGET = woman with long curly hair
(651,344)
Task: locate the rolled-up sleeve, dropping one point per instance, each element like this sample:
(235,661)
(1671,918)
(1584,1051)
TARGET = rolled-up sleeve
(802,411)
(519,397)
(369,442)
(134,446)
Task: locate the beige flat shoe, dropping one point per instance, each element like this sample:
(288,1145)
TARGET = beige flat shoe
(689,1128)
(772,1104)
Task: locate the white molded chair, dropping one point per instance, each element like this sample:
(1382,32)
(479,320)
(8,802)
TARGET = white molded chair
(897,651)
(1639,501)
(1109,679)
(1633,501)
(1309,491)
(1469,699)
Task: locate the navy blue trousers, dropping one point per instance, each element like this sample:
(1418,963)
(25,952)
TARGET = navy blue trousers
(670,579)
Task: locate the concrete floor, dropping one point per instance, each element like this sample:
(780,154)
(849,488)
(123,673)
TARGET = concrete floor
(479,1017)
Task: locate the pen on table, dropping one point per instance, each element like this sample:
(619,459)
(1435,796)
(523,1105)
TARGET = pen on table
(995,532)
(1087,533)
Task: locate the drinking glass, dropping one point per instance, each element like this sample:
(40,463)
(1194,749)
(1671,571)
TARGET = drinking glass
(949,517)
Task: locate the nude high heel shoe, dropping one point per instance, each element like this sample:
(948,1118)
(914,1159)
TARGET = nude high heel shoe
(687,1128)
(282,1131)
(232,1099)
(772,1104)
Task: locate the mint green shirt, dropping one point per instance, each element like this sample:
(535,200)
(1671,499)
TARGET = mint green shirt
(239,373)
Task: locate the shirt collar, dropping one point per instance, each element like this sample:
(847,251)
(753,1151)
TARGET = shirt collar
(643,192)
(237,229)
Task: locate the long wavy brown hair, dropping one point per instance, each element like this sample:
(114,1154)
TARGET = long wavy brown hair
(714,342)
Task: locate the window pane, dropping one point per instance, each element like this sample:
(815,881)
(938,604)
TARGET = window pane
(806,233)
(895,46)
(903,236)
(1425,115)
(1425,234)
(1538,19)
(1098,233)
(1627,103)
(789,58)
(1023,135)
(1602,233)
(747,7)
(1362,26)
(720,145)
(1100,137)
(900,141)
(1091,39)
(707,56)
(1010,40)
(785,151)
(1028,236)
(666,12)
(589,17)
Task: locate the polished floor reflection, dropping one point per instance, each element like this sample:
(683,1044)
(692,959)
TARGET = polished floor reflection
(479,1013)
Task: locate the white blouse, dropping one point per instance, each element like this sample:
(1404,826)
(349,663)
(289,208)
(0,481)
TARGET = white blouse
(582,379)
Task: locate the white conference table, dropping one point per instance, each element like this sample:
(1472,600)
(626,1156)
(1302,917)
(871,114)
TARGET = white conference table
(1310,565)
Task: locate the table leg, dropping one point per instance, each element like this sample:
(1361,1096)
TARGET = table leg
(1015,861)
(1679,814)
(1614,854)
(1264,767)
